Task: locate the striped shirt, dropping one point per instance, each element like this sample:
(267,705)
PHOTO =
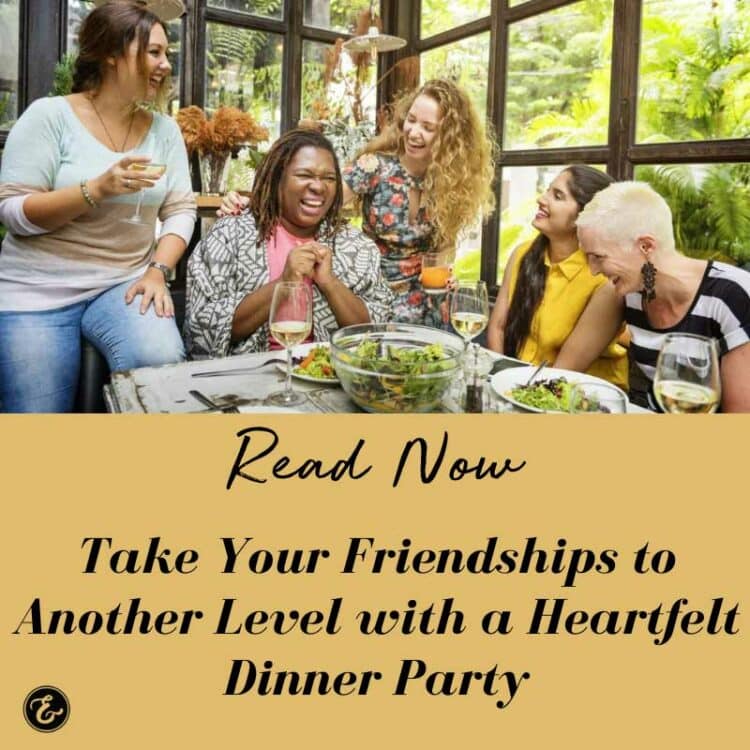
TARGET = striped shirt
(720,310)
(49,148)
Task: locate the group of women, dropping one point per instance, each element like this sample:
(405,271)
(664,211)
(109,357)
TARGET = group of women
(73,165)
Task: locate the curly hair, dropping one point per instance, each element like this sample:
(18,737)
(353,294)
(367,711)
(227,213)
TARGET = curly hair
(458,180)
(265,202)
(108,30)
(584,183)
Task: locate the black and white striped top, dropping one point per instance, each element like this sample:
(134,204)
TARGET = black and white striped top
(720,310)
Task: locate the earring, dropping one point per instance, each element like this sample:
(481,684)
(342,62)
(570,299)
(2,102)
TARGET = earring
(648,273)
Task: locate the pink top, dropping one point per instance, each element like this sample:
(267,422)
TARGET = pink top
(278,248)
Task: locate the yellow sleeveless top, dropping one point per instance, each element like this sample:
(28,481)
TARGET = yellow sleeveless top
(570,285)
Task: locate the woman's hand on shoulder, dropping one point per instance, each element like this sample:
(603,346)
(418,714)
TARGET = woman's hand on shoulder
(122,179)
(154,290)
(233,204)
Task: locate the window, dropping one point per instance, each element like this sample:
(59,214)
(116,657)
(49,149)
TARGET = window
(266,8)
(443,15)
(243,69)
(558,77)
(336,16)
(9,35)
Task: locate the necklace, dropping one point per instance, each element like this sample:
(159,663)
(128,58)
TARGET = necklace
(111,139)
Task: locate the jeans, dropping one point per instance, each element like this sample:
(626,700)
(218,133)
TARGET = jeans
(40,351)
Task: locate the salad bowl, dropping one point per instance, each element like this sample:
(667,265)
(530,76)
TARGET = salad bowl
(392,368)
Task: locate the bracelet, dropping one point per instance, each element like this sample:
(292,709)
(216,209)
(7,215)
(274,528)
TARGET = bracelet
(87,196)
(166,270)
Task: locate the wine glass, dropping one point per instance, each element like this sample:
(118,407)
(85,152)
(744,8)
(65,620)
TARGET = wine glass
(687,379)
(290,320)
(596,398)
(470,309)
(152,171)
(435,272)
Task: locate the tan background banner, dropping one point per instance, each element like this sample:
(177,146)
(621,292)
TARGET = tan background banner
(591,491)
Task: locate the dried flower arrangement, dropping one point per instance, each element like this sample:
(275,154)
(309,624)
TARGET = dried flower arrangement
(226,131)
(216,139)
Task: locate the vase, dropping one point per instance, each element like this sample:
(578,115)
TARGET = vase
(214,171)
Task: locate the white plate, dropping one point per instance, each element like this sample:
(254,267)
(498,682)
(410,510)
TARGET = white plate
(302,350)
(269,410)
(505,381)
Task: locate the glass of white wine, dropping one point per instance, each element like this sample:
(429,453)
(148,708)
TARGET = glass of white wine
(470,309)
(687,379)
(290,320)
(151,171)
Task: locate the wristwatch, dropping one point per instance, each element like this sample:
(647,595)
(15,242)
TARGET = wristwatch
(166,270)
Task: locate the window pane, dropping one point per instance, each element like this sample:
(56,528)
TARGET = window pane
(710,207)
(243,69)
(9,34)
(442,15)
(267,8)
(558,77)
(77,11)
(694,71)
(466,63)
(337,16)
(520,188)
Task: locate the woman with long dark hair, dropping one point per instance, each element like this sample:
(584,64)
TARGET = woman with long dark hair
(550,306)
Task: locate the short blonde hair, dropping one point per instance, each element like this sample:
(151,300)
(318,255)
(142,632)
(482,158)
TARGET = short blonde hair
(625,211)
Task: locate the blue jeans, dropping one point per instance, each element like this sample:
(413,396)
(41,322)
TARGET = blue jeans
(40,352)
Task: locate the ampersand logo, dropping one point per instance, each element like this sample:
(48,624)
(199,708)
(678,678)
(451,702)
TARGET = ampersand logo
(46,708)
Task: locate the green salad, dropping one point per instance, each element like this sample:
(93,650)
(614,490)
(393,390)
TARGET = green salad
(317,364)
(552,394)
(403,378)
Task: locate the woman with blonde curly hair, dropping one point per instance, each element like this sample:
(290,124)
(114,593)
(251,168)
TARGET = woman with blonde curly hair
(426,177)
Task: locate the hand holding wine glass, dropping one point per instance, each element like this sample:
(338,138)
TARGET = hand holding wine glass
(470,309)
(290,320)
(150,171)
(687,378)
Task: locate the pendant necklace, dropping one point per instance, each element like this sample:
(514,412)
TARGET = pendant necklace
(111,139)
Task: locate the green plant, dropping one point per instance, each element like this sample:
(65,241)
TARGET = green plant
(710,207)
(62,78)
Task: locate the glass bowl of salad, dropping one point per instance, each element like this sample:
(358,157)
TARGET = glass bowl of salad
(396,367)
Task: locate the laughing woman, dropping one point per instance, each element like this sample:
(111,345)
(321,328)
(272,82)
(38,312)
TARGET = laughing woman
(292,232)
(550,306)
(70,268)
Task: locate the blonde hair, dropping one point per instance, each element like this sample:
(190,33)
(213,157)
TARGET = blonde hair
(458,182)
(625,211)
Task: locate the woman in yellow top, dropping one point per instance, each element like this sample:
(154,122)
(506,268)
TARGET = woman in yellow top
(550,306)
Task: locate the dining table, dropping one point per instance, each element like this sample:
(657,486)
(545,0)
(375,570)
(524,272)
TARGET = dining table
(243,383)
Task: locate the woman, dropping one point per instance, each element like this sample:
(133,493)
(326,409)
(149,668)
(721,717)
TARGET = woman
(550,306)
(626,233)
(423,180)
(70,175)
(292,232)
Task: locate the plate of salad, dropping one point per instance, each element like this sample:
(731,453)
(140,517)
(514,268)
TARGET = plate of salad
(549,392)
(312,362)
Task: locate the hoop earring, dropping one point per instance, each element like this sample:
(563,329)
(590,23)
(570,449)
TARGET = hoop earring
(648,273)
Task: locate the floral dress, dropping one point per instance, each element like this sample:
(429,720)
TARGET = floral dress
(384,185)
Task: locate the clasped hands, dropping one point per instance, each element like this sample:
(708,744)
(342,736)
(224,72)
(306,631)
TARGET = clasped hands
(310,260)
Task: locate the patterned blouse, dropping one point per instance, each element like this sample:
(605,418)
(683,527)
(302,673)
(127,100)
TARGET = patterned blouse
(229,263)
(384,185)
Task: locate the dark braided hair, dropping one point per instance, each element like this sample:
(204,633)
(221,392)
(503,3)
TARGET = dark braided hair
(107,32)
(584,183)
(265,203)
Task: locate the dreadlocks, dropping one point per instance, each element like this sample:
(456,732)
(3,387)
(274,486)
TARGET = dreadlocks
(265,203)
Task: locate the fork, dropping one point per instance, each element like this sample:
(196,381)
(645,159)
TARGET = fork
(537,371)
(237,370)
(212,405)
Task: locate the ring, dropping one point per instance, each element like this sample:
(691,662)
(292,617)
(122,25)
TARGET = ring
(127,184)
